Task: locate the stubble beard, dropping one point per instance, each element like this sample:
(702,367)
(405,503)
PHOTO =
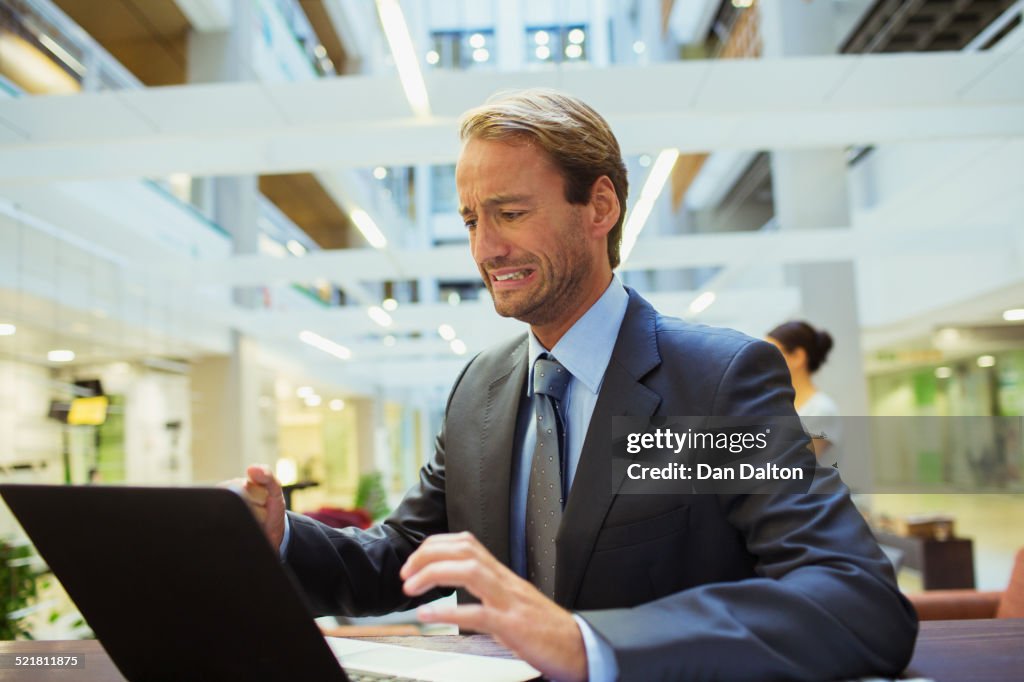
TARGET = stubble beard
(560,288)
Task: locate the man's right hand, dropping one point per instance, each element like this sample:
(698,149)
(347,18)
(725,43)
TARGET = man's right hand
(262,492)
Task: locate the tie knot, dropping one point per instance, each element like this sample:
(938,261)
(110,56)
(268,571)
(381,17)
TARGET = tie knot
(550,378)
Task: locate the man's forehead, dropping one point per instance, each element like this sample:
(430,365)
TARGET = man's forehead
(499,161)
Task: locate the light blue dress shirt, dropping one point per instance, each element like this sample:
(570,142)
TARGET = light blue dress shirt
(584,351)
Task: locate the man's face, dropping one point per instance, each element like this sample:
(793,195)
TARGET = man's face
(527,240)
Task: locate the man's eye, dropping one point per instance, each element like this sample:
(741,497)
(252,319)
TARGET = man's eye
(470,223)
(511,215)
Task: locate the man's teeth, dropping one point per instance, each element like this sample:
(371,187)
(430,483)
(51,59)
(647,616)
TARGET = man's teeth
(518,274)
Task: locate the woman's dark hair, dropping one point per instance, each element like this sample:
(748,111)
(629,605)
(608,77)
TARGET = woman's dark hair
(798,334)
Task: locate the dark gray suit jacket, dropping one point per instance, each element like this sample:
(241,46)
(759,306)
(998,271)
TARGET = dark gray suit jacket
(681,586)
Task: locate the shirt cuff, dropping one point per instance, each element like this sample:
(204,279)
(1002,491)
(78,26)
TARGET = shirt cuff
(283,549)
(601,665)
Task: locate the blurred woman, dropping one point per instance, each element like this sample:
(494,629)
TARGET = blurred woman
(805,350)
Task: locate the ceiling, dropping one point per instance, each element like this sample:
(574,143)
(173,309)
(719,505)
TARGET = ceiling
(284,130)
(232,128)
(320,20)
(149,37)
(302,198)
(922,25)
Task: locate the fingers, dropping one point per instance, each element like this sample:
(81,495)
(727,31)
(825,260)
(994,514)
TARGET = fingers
(466,573)
(262,493)
(253,493)
(456,560)
(467,616)
(446,546)
(262,475)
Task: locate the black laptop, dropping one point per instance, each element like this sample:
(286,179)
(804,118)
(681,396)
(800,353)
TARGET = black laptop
(181,584)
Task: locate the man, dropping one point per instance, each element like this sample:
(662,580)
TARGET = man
(634,587)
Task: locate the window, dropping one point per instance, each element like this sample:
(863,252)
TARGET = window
(554,44)
(462,49)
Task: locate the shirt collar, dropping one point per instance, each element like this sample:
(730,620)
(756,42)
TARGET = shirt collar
(586,348)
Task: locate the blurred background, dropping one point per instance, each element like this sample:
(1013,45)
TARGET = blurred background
(228,232)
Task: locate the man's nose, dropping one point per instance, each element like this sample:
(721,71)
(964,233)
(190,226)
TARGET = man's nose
(487,241)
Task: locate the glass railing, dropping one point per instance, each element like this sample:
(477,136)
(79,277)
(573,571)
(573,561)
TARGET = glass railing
(305,36)
(68,45)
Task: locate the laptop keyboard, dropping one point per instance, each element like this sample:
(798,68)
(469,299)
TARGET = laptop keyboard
(356,676)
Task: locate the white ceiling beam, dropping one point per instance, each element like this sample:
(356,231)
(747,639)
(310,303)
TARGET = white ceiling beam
(654,253)
(361,121)
(475,322)
(207,15)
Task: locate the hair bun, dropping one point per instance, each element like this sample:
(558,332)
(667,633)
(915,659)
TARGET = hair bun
(824,345)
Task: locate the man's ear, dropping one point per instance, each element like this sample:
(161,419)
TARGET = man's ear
(604,206)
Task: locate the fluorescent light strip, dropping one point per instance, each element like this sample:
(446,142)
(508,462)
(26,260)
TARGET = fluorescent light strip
(326,345)
(379,315)
(60,356)
(1014,315)
(402,50)
(702,302)
(641,210)
(368,228)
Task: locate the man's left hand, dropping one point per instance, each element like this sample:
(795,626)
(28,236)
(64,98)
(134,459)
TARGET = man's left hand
(537,629)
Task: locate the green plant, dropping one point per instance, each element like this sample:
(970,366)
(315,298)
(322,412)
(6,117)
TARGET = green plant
(370,495)
(17,589)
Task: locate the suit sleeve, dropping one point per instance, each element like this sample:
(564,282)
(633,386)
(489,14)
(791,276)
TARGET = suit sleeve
(355,572)
(824,604)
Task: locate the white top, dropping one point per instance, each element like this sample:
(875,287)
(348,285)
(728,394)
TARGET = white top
(819,405)
(820,416)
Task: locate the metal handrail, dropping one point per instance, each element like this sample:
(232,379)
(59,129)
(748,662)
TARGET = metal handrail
(97,59)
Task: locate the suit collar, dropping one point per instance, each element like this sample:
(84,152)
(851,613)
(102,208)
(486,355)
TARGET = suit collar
(497,443)
(622,394)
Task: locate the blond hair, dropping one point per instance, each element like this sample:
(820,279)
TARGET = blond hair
(576,138)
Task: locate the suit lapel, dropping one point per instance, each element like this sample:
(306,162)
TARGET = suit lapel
(621,394)
(497,436)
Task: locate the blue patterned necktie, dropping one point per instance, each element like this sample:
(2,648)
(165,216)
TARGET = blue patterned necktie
(546,494)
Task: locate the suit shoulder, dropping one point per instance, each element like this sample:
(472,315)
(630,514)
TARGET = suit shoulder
(501,353)
(492,362)
(700,341)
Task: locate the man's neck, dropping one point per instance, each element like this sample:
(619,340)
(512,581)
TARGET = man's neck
(551,334)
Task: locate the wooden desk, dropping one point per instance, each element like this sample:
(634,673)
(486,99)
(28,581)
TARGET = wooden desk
(947,651)
(969,650)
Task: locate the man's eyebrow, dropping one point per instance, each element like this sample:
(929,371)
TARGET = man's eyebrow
(496,201)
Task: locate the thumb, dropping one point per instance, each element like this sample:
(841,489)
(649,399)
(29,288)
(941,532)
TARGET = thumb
(263,475)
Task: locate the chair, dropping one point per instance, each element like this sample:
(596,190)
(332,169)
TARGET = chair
(342,518)
(968,604)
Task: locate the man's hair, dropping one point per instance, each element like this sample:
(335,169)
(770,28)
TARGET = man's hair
(576,138)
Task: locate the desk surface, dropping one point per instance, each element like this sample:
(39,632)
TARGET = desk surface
(947,651)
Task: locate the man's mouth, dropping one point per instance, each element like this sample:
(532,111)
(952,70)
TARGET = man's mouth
(518,274)
(510,277)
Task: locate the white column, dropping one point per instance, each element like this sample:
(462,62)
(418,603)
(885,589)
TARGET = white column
(230,430)
(598,40)
(810,192)
(510,34)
